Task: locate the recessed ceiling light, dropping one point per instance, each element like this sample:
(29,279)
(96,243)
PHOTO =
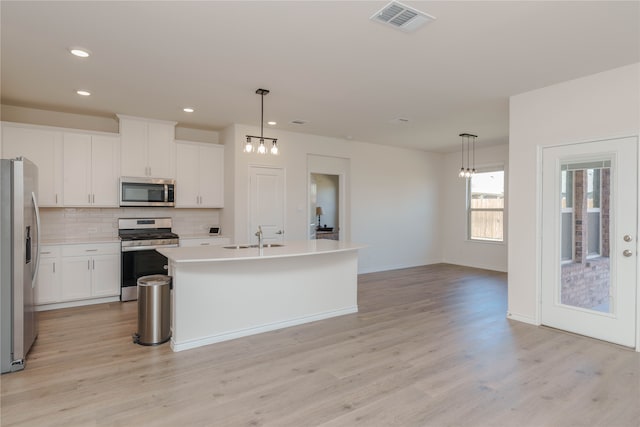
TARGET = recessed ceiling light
(83,92)
(272,123)
(188,110)
(82,53)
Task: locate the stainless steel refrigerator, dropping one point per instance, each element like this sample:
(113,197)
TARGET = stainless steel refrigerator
(19,258)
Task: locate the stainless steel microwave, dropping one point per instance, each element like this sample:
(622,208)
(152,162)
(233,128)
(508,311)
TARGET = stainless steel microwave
(147,191)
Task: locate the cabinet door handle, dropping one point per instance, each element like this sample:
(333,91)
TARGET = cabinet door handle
(94,264)
(91,250)
(89,198)
(56,198)
(93,198)
(88,264)
(205,244)
(54,267)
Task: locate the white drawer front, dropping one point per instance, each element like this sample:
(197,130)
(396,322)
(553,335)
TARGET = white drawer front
(91,249)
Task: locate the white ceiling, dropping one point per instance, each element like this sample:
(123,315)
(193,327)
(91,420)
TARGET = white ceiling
(324,61)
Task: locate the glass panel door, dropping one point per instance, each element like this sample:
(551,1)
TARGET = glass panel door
(589,234)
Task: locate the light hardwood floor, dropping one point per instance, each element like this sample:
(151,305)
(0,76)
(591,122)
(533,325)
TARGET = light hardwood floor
(430,347)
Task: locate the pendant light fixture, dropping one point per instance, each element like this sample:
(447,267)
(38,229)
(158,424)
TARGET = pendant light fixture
(470,141)
(261,148)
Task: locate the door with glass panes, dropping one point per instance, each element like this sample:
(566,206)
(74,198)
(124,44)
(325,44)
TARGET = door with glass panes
(589,235)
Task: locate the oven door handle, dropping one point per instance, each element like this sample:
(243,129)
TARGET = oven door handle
(146,248)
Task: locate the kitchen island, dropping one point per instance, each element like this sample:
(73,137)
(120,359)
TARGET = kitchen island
(226,292)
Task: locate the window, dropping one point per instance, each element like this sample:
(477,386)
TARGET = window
(584,204)
(485,206)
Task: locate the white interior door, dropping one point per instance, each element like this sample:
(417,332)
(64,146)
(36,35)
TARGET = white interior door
(266,203)
(589,235)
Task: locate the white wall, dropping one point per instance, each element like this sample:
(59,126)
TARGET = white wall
(394,195)
(457,249)
(601,106)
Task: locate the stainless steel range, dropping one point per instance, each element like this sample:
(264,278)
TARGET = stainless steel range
(140,237)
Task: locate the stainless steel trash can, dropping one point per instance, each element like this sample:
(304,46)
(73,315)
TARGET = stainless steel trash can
(154,293)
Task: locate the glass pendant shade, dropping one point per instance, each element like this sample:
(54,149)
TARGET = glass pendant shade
(261,148)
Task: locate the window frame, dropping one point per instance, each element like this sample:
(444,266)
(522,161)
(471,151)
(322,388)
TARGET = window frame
(596,210)
(470,210)
(570,210)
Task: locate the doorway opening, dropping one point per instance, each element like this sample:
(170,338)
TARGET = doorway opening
(325,205)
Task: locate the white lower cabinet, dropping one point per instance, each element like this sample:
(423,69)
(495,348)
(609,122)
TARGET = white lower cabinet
(78,272)
(105,280)
(204,241)
(49,282)
(77,278)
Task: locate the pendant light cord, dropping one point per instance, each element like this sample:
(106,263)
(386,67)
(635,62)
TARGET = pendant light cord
(262,117)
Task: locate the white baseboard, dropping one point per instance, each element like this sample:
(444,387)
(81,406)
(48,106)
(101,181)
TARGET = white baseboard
(260,329)
(521,318)
(78,303)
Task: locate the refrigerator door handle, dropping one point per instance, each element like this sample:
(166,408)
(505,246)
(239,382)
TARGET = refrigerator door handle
(37,239)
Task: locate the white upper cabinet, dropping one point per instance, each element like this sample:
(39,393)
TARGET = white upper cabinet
(199,175)
(43,146)
(91,169)
(147,147)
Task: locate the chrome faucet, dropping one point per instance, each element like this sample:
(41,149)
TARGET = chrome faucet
(259,234)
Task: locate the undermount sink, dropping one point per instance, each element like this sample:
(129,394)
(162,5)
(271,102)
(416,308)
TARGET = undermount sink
(269,245)
(266,245)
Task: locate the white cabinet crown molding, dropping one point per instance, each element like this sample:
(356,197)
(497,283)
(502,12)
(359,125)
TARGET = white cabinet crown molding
(145,119)
(59,129)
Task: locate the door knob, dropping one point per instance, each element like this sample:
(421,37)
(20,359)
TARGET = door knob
(627,253)
(627,238)
(279,232)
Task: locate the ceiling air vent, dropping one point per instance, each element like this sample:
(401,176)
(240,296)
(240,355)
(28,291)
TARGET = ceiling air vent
(402,17)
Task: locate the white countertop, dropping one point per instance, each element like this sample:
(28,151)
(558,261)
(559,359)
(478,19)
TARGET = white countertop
(116,239)
(289,249)
(79,240)
(201,236)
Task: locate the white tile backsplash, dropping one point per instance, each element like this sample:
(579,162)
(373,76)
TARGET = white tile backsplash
(78,223)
